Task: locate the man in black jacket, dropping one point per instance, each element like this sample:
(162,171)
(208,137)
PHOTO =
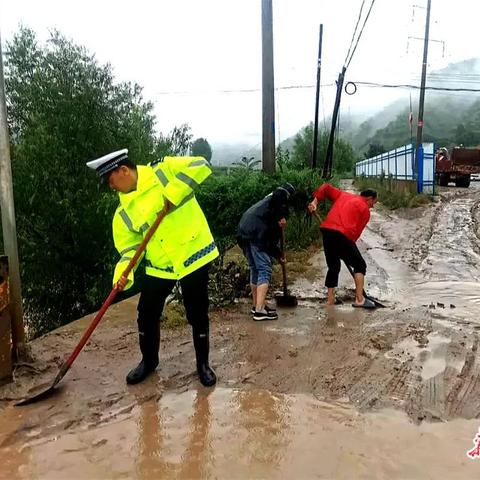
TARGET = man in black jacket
(259,233)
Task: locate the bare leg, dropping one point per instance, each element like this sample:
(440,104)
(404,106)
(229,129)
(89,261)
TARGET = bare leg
(359,283)
(261,294)
(330,296)
(253,288)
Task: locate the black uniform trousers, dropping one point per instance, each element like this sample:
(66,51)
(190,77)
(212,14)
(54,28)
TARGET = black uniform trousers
(150,307)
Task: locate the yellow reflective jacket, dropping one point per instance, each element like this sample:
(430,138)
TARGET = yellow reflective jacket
(183,242)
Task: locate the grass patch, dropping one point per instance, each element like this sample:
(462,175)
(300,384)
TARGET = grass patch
(393,194)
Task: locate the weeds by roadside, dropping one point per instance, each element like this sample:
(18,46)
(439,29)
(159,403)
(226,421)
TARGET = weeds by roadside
(391,194)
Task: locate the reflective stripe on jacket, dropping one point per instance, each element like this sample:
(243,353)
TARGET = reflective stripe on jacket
(183,242)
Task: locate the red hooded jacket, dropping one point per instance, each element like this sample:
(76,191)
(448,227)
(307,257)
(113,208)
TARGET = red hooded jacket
(349,213)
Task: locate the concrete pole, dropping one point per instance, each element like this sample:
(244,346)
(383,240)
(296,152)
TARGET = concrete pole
(422,90)
(317,100)
(9,228)
(268,90)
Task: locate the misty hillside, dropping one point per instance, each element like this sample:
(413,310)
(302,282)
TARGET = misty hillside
(450,117)
(228,153)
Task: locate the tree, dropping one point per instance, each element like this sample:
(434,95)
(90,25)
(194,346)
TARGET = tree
(177,142)
(248,163)
(374,149)
(200,147)
(63,110)
(343,154)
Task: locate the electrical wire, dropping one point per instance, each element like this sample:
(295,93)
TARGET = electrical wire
(244,90)
(354,32)
(416,87)
(360,34)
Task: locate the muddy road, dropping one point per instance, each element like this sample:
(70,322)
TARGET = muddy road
(324,392)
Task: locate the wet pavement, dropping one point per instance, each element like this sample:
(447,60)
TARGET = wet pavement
(324,392)
(228,433)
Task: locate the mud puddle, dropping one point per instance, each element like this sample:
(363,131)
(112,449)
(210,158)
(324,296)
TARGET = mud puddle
(325,392)
(246,434)
(446,279)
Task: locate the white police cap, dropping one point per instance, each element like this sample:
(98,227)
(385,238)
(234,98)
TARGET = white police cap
(109,162)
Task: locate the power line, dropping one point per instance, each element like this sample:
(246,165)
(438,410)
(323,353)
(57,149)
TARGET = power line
(240,90)
(354,32)
(360,34)
(416,87)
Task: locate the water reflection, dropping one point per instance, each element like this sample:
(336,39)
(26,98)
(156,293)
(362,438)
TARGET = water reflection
(264,419)
(173,436)
(343,316)
(198,456)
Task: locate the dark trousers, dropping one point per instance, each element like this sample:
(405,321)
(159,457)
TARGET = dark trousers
(338,247)
(150,307)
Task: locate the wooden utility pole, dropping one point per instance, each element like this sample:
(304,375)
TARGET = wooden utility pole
(268,89)
(422,90)
(9,228)
(317,100)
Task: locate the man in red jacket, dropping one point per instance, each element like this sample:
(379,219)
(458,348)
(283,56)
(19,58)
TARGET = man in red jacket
(342,227)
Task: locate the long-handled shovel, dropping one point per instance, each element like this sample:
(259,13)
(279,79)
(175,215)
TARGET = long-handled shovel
(68,363)
(352,273)
(285,300)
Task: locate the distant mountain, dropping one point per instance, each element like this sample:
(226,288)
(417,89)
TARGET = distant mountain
(445,112)
(228,153)
(450,118)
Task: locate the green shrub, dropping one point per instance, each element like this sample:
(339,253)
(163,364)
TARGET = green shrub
(224,198)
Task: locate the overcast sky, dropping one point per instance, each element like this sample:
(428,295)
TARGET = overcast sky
(187,53)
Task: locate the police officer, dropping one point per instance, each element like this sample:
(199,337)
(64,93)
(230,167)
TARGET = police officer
(180,250)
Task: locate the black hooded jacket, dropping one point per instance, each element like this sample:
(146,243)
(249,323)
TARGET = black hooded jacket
(259,224)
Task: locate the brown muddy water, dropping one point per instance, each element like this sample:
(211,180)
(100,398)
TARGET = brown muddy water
(442,246)
(324,392)
(228,433)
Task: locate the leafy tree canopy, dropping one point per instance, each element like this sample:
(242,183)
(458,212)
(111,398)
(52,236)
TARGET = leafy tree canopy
(343,154)
(64,108)
(200,147)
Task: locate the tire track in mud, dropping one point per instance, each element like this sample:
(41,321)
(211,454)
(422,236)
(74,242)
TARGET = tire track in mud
(464,396)
(451,248)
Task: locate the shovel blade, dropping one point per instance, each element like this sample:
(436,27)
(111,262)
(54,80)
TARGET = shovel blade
(41,392)
(286,300)
(375,301)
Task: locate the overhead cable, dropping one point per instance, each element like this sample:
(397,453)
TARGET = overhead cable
(354,32)
(416,87)
(360,34)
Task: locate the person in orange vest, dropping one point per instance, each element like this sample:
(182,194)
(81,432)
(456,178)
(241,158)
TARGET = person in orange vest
(341,228)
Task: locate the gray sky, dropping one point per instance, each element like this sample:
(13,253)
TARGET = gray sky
(201,48)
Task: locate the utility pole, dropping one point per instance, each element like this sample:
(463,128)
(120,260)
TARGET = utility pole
(422,91)
(9,228)
(327,166)
(268,89)
(317,100)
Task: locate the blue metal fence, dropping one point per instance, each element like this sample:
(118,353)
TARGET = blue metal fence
(399,163)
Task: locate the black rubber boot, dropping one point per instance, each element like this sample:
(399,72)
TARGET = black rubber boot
(149,348)
(140,372)
(205,373)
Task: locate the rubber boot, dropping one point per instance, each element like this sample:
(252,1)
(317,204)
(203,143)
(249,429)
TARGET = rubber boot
(149,348)
(205,373)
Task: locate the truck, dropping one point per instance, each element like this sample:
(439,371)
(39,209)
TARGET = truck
(456,165)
